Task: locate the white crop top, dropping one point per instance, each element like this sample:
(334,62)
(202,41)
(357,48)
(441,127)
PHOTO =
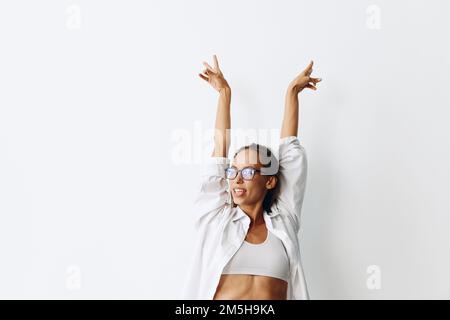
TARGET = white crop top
(268,258)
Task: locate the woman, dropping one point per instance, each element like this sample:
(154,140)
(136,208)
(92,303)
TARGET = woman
(247,248)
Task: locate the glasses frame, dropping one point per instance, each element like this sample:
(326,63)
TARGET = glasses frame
(238,171)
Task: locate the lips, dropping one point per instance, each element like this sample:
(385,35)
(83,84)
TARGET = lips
(239,191)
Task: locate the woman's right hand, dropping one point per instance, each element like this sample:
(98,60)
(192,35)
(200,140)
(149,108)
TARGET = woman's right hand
(214,76)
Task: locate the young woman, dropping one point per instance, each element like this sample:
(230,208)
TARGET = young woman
(247,244)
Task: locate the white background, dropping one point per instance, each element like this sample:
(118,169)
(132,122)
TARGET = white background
(93,95)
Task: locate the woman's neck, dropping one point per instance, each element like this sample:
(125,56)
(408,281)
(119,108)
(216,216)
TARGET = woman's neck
(255,213)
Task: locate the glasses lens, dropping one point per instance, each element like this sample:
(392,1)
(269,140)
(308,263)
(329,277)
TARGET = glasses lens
(247,173)
(230,173)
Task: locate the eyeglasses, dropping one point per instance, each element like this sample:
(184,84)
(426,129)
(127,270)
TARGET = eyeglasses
(247,173)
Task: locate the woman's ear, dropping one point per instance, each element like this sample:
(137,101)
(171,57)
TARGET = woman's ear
(271,182)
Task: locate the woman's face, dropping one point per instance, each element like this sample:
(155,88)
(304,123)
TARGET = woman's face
(249,192)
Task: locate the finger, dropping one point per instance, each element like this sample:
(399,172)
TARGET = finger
(315,80)
(204,77)
(310,86)
(208,72)
(216,63)
(209,67)
(309,67)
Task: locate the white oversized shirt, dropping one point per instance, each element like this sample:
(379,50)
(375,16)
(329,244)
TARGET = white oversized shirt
(222,228)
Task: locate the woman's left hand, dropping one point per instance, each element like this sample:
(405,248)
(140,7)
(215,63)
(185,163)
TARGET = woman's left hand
(304,80)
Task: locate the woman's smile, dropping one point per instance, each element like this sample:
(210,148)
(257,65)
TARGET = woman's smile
(239,192)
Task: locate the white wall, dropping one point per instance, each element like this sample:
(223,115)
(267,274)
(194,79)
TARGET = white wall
(94,94)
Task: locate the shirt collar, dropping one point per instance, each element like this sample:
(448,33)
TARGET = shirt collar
(241,214)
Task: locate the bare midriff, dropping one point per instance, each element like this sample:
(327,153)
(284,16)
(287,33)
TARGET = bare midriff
(250,287)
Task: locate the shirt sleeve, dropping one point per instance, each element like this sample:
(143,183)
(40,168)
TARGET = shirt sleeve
(213,194)
(292,178)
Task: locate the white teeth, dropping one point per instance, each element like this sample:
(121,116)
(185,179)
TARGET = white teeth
(239,190)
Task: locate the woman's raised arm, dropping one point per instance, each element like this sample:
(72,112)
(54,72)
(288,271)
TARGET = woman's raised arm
(290,118)
(222,135)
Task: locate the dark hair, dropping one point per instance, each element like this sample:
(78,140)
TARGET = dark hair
(270,167)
